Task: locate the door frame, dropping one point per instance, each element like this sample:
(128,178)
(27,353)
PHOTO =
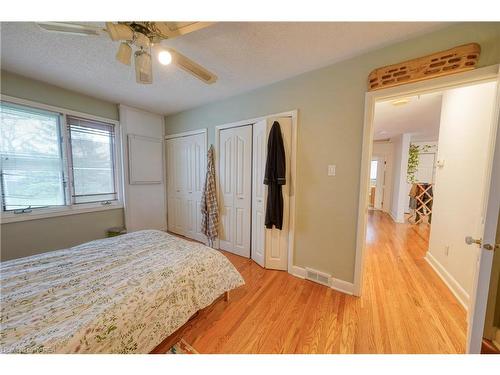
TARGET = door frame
(203,131)
(293,171)
(485,74)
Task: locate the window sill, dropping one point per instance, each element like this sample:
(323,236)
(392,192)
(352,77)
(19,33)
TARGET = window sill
(43,213)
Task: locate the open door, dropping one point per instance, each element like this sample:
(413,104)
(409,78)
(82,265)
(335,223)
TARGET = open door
(276,254)
(269,246)
(484,241)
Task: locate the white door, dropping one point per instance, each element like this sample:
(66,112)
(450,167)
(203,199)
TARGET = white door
(260,131)
(186,166)
(235,189)
(463,201)
(195,177)
(379,187)
(485,235)
(276,241)
(175,185)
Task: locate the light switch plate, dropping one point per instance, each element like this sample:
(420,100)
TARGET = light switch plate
(331,170)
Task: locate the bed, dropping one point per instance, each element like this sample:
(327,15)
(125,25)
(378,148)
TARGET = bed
(123,294)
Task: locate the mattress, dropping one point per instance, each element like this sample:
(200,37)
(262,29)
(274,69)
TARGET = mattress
(117,295)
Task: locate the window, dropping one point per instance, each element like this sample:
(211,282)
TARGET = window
(31,156)
(45,163)
(92,145)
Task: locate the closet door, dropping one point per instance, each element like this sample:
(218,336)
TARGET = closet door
(189,202)
(186,163)
(175,186)
(198,160)
(276,241)
(235,176)
(169,149)
(260,131)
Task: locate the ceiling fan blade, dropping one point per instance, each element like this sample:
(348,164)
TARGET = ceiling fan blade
(70,28)
(191,67)
(173,29)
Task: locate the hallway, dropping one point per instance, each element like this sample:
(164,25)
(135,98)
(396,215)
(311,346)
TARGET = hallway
(404,295)
(405,307)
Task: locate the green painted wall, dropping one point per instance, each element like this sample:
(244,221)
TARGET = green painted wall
(331,104)
(41,92)
(30,237)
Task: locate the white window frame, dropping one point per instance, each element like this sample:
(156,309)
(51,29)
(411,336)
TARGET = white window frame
(70,208)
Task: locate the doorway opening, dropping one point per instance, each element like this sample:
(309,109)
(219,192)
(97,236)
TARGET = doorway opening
(437,141)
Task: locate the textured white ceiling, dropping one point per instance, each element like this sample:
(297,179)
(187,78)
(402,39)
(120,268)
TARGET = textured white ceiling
(243,55)
(419,117)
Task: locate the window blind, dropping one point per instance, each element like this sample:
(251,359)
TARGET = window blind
(92,160)
(31,162)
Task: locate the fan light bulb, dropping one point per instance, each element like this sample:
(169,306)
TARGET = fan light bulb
(165,57)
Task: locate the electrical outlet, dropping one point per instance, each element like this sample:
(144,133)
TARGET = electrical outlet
(331,170)
(446,250)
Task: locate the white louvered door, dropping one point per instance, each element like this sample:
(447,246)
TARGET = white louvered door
(186,166)
(235,186)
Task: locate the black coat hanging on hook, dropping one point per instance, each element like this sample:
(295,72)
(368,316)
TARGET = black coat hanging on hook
(274,177)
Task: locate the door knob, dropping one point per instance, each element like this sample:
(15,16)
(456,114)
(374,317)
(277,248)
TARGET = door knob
(490,247)
(469,241)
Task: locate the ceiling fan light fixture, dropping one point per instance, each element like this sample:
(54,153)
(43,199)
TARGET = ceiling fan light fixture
(143,67)
(124,54)
(165,57)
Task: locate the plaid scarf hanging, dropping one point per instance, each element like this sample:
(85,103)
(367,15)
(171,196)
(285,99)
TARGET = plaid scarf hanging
(209,207)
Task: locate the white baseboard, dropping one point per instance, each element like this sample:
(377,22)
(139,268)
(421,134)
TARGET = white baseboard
(342,286)
(452,284)
(298,272)
(392,217)
(336,284)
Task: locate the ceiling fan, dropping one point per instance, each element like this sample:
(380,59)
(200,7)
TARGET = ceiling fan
(142,36)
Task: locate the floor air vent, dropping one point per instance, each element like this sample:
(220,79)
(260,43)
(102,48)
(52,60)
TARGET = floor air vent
(317,276)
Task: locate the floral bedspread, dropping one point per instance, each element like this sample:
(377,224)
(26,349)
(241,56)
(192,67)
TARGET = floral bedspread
(122,294)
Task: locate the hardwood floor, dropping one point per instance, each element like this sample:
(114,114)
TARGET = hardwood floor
(405,307)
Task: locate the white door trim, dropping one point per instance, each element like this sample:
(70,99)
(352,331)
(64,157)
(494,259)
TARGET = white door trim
(188,133)
(293,170)
(488,73)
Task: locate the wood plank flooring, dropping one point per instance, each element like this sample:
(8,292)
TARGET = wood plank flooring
(405,307)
